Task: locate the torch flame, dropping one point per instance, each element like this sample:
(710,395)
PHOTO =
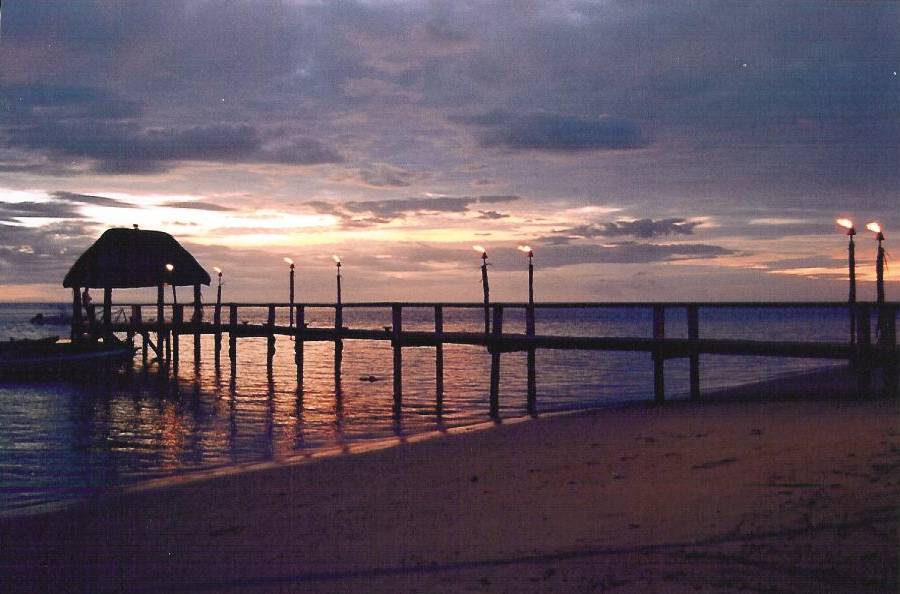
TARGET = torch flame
(526,249)
(845,223)
(170,267)
(289,261)
(217,269)
(337,259)
(480,249)
(873,227)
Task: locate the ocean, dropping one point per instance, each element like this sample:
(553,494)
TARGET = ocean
(63,441)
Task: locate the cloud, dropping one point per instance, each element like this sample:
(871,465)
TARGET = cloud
(629,253)
(374,212)
(12,211)
(89,199)
(386,176)
(492,215)
(196,205)
(119,148)
(641,228)
(557,132)
(41,254)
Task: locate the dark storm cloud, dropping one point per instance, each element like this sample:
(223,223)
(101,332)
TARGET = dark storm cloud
(374,212)
(641,228)
(555,132)
(89,199)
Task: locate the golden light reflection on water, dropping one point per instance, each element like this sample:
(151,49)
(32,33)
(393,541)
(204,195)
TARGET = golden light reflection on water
(146,426)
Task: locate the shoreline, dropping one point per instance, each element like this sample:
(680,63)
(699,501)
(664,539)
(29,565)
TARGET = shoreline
(751,493)
(796,379)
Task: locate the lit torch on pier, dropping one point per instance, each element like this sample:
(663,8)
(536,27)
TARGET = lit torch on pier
(170,270)
(529,319)
(291,290)
(851,258)
(487,290)
(879,276)
(218,272)
(338,310)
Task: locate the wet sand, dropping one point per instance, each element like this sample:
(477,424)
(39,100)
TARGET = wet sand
(752,495)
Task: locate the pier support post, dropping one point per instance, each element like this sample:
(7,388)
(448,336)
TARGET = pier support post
(693,319)
(270,338)
(217,336)
(659,361)
(298,343)
(439,357)
(863,352)
(338,345)
(396,342)
(890,371)
(495,361)
(531,394)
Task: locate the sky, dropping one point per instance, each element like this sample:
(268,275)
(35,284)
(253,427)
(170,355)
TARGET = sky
(644,150)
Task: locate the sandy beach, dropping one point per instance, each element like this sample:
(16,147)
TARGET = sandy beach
(787,495)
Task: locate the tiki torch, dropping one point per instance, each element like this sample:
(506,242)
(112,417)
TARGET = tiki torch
(338,310)
(170,272)
(529,319)
(879,277)
(219,289)
(851,261)
(879,261)
(487,290)
(291,292)
(337,262)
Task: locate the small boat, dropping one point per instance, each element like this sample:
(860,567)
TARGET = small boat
(49,357)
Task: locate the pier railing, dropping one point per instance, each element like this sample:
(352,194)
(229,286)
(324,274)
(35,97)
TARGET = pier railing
(864,349)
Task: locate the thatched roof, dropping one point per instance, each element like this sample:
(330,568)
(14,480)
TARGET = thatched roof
(128,258)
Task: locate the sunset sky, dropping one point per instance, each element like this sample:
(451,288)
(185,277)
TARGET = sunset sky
(645,150)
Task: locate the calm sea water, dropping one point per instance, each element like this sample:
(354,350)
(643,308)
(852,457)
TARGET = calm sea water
(67,440)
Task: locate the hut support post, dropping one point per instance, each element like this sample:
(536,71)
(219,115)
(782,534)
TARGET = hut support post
(693,319)
(298,344)
(160,320)
(177,321)
(107,312)
(197,321)
(232,337)
(863,351)
(270,338)
(659,333)
(439,357)
(76,314)
(396,338)
(495,361)
(890,369)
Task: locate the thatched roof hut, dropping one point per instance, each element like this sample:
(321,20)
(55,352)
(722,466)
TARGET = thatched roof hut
(130,258)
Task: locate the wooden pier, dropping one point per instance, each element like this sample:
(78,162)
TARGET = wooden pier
(861,351)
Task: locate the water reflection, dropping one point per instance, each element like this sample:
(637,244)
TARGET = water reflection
(62,441)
